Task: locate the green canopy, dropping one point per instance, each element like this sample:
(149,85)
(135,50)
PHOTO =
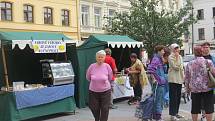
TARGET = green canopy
(111,40)
(14,35)
(25,38)
(86,56)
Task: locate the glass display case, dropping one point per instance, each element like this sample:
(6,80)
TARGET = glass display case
(62,73)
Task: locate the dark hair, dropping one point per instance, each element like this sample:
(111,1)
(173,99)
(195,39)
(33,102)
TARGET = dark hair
(133,55)
(205,43)
(166,52)
(108,51)
(158,48)
(197,51)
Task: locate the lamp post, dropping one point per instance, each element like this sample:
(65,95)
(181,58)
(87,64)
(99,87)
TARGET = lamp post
(192,32)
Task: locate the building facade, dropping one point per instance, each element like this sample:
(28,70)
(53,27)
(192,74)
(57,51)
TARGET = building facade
(171,4)
(204,29)
(41,15)
(94,12)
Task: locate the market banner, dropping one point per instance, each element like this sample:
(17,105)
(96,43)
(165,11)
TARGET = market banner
(49,46)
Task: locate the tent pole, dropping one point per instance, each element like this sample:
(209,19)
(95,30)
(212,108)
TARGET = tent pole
(65,56)
(5,67)
(120,59)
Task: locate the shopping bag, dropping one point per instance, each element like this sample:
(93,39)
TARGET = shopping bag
(211,80)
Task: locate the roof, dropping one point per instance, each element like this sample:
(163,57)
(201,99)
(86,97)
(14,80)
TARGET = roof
(112,40)
(25,38)
(14,35)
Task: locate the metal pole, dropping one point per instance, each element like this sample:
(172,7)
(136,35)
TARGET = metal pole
(5,67)
(192,32)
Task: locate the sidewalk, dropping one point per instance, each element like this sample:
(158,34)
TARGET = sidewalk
(124,112)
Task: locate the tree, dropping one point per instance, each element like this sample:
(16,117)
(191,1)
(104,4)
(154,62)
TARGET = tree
(147,24)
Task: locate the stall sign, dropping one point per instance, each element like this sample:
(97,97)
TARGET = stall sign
(49,46)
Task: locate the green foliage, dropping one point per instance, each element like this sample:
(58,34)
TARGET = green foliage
(146,23)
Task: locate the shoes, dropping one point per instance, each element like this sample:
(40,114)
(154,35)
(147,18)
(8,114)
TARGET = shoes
(113,107)
(160,120)
(157,120)
(203,119)
(179,116)
(174,118)
(133,102)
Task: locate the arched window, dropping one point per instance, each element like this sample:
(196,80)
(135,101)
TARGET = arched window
(65,17)
(6,11)
(28,13)
(48,15)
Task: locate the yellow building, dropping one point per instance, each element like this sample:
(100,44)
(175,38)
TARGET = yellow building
(41,15)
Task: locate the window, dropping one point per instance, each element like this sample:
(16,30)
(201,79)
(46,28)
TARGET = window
(48,16)
(65,17)
(200,14)
(111,12)
(213,11)
(6,11)
(110,15)
(85,15)
(201,34)
(171,4)
(162,3)
(97,12)
(28,13)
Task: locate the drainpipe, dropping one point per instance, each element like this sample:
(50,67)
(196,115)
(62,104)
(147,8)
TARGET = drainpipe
(77,19)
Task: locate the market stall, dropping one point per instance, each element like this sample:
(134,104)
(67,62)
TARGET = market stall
(121,47)
(37,76)
(122,87)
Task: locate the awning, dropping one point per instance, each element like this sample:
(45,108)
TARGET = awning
(25,38)
(118,41)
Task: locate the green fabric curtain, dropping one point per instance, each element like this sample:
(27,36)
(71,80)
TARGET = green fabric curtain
(1,70)
(10,113)
(86,56)
(73,57)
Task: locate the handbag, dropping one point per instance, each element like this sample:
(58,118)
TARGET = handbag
(211,80)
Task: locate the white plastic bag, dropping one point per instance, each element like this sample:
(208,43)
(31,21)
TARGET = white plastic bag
(146,92)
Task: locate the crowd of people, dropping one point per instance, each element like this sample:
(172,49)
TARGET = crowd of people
(162,78)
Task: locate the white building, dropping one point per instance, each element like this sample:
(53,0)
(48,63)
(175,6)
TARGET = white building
(171,4)
(204,29)
(93,12)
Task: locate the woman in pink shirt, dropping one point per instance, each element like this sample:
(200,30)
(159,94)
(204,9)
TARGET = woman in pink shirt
(99,75)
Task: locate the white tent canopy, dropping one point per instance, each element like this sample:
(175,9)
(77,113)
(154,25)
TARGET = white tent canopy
(124,44)
(23,43)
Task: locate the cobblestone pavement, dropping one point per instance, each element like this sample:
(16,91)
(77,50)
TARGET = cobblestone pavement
(124,112)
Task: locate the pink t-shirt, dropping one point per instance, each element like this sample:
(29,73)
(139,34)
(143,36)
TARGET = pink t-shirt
(99,77)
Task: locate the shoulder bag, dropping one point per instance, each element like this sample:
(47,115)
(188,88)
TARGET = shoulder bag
(211,78)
